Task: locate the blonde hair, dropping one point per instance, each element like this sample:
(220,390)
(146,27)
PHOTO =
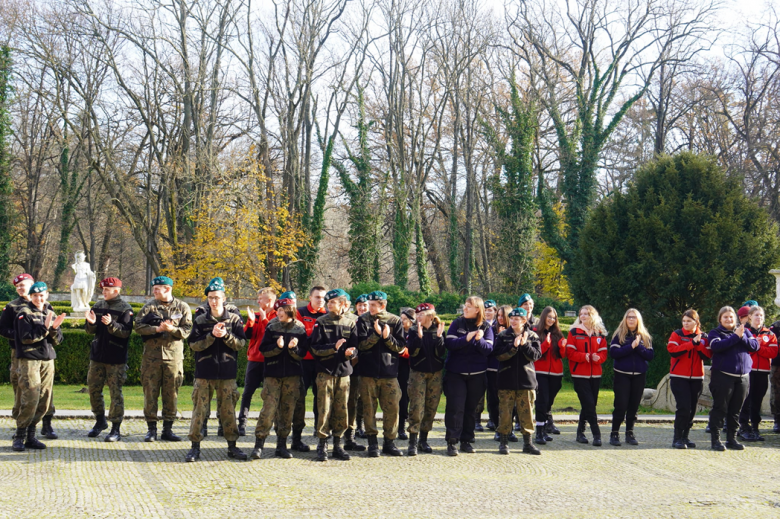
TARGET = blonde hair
(725,310)
(596,323)
(428,313)
(480,304)
(623,330)
(267,290)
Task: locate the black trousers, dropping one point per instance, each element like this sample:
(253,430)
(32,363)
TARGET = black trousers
(491,380)
(549,385)
(587,390)
(463,393)
(403,381)
(253,379)
(751,409)
(628,394)
(308,380)
(686,393)
(728,395)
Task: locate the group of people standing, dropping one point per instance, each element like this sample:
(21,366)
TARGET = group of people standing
(500,356)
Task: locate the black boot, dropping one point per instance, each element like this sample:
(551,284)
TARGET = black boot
(281,449)
(466,447)
(688,443)
(412,449)
(390,448)
(359,432)
(503,445)
(511,437)
(614,438)
(478,427)
(731,442)
(18,444)
(528,447)
(350,444)
(32,442)
(678,442)
(114,435)
(490,425)
(402,431)
(220,430)
(452,448)
(100,425)
(596,440)
(47,431)
(540,435)
(257,452)
(235,452)
(242,426)
(716,444)
(322,450)
(423,443)
(630,438)
(581,438)
(151,433)
(757,435)
(744,432)
(338,452)
(297,443)
(549,427)
(373,447)
(776,426)
(168,434)
(204,429)
(194,453)
(596,431)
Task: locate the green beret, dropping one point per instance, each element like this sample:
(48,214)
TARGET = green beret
(518,312)
(524,298)
(337,292)
(377,295)
(162,280)
(288,295)
(490,304)
(214,285)
(362,298)
(750,302)
(38,287)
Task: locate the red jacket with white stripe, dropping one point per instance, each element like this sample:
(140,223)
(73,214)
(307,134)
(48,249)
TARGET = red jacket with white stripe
(767,349)
(580,345)
(687,357)
(254,331)
(549,364)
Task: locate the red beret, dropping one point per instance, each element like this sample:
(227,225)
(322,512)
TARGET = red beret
(282,302)
(111,282)
(422,307)
(744,311)
(21,277)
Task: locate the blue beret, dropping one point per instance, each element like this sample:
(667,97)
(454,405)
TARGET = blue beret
(518,312)
(214,285)
(162,280)
(337,292)
(377,295)
(288,295)
(362,298)
(490,304)
(38,287)
(524,298)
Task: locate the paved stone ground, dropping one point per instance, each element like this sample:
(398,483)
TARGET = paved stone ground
(78,476)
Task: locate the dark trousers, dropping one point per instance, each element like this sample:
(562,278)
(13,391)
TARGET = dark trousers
(403,381)
(491,379)
(751,409)
(549,385)
(628,394)
(728,395)
(587,390)
(307,381)
(463,393)
(253,379)
(686,393)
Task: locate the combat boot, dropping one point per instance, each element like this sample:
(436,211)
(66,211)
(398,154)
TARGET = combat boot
(596,432)
(731,442)
(32,442)
(322,450)
(423,443)
(511,437)
(757,435)
(297,443)
(549,427)
(235,453)
(715,443)
(503,444)
(596,440)
(350,444)
(678,442)
(281,448)
(257,452)
(220,430)
(359,432)
(242,426)
(491,426)
(452,448)
(114,435)
(100,425)
(614,438)
(204,429)
(168,434)
(151,433)
(412,449)
(18,444)
(338,452)
(528,447)
(194,453)
(373,447)
(402,430)
(776,426)
(688,443)
(47,430)
(390,448)
(540,435)
(581,438)
(630,438)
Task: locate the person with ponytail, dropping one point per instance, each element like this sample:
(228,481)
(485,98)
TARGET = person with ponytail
(549,372)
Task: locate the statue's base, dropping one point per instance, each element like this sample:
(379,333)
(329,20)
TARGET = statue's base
(78,315)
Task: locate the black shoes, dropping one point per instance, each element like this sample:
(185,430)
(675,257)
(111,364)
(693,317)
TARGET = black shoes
(490,425)
(466,447)
(236,453)
(257,452)
(18,444)
(596,441)
(350,444)
(32,442)
(412,449)
(338,452)
(168,434)
(373,447)
(194,453)
(322,450)
(550,428)
(402,431)
(503,447)
(47,431)
(281,449)
(631,439)
(151,433)
(389,448)
(297,442)
(540,439)
(114,435)
(452,449)
(528,447)
(100,426)
(733,445)
(478,427)
(581,438)
(242,426)
(204,429)
(614,439)
(423,443)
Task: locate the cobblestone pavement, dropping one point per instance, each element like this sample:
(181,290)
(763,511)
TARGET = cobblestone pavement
(78,476)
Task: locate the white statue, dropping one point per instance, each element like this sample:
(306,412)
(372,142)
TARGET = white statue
(83,284)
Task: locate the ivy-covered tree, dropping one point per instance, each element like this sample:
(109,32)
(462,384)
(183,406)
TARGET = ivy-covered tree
(682,236)
(5,166)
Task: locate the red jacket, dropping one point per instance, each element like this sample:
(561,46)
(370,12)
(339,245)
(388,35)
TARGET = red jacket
(254,332)
(687,358)
(548,364)
(578,345)
(308,316)
(767,349)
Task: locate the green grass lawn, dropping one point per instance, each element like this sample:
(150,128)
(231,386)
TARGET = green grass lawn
(76,397)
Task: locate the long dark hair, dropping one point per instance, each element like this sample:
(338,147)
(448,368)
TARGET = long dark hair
(554,331)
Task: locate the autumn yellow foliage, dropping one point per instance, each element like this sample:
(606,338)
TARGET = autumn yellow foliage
(550,280)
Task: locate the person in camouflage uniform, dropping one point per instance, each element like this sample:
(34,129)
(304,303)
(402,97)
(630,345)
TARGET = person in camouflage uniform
(333,341)
(355,403)
(380,340)
(216,338)
(426,356)
(37,331)
(517,348)
(163,324)
(284,345)
(111,322)
(22,284)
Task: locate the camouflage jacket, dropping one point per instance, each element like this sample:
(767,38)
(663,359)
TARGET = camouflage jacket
(283,362)
(426,354)
(378,356)
(328,330)
(111,340)
(164,345)
(33,340)
(8,319)
(516,364)
(216,358)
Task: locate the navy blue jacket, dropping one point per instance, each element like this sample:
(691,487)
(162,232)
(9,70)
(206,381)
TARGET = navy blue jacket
(468,356)
(730,352)
(632,361)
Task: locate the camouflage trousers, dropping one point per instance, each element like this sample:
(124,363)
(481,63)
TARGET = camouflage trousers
(164,376)
(113,375)
(15,384)
(424,395)
(524,400)
(202,391)
(332,397)
(279,397)
(36,378)
(236,396)
(355,403)
(388,393)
